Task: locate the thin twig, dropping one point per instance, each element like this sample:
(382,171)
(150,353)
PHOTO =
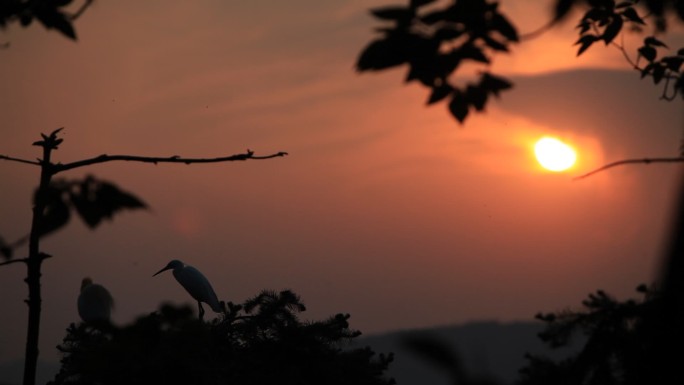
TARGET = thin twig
(33,162)
(631,161)
(172,159)
(83,8)
(22,260)
(538,32)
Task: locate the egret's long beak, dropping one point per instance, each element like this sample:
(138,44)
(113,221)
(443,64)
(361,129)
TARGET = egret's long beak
(162,270)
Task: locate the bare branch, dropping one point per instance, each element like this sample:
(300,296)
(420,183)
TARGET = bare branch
(538,32)
(11,261)
(5,157)
(631,161)
(172,159)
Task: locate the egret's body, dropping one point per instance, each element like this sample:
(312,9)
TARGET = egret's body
(195,283)
(94,303)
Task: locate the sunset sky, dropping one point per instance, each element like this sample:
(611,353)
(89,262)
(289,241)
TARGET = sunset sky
(385,208)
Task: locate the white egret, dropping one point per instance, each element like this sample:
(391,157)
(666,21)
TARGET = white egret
(194,283)
(94,303)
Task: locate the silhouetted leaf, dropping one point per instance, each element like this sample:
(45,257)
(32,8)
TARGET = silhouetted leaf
(97,200)
(501,24)
(652,41)
(673,63)
(647,70)
(586,41)
(494,44)
(649,53)
(624,4)
(420,71)
(381,54)
(439,93)
(469,51)
(612,30)
(458,106)
(632,15)
(56,213)
(477,97)
(597,14)
(396,49)
(493,84)
(584,26)
(52,18)
(658,73)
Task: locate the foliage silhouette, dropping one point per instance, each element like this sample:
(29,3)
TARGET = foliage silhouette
(435,40)
(620,343)
(52,14)
(93,200)
(262,341)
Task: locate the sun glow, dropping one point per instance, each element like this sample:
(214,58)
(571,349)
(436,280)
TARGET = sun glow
(554,155)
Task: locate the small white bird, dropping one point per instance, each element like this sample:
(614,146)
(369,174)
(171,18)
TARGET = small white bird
(94,303)
(194,283)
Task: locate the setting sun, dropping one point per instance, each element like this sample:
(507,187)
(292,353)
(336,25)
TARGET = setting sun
(554,155)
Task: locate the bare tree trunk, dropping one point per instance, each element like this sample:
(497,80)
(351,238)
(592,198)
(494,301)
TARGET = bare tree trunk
(35,260)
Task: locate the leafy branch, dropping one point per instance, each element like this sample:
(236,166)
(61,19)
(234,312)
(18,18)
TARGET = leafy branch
(92,199)
(435,42)
(605,20)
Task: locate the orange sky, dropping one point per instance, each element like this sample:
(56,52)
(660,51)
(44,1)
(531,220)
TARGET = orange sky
(385,209)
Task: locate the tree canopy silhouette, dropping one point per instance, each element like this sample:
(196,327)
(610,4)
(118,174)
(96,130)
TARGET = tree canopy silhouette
(435,39)
(261,341)
(619,345)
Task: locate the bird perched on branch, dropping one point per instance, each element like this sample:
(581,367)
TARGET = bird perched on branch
(94,302)
(194,283)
